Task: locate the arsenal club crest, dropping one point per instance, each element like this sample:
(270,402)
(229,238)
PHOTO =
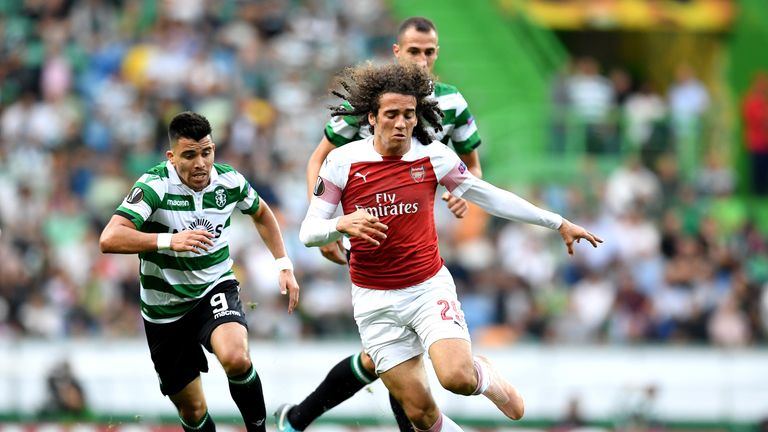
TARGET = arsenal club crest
(418,174)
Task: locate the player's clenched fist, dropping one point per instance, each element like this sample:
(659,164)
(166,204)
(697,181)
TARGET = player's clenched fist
(457,206)
(363,225)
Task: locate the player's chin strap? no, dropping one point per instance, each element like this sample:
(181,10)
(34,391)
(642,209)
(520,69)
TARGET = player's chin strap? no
(284,263)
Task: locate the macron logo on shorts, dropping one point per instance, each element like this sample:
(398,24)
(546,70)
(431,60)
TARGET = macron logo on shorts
(226,313)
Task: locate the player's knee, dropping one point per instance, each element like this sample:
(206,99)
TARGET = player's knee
(459,380)
(235,362)
(419,413)
(192,412)
(367,362)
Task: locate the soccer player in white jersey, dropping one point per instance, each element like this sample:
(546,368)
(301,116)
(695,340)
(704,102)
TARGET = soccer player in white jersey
(417,42)
(177,218)
(404,298)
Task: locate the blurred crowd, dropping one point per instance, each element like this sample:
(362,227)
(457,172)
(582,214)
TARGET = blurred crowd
(87,89)
(685,258)
(616,113)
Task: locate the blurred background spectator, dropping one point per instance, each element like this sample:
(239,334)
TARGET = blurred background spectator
(573,418)
(66,398)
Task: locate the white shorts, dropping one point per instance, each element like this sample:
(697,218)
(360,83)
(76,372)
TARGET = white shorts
(397,325)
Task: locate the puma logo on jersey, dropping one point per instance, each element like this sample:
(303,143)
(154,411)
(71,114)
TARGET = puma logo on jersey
(363,176)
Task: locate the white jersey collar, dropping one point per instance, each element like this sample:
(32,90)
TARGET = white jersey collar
(414,143)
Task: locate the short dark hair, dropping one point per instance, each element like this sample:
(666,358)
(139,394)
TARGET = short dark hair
(190,125)
(421,24)
(364,84)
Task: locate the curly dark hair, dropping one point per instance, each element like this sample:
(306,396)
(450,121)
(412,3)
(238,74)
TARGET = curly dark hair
(188,124)
(364,84)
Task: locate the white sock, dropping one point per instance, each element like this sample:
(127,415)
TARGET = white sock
(437,427)
(443,424)
(483,378)
(450,425)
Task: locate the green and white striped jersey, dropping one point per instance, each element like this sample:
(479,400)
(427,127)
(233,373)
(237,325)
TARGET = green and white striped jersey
(459,126)
(172,282)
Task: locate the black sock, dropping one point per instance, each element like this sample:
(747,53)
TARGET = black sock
(403,423)
(249,398)
(205,425)
(344,380)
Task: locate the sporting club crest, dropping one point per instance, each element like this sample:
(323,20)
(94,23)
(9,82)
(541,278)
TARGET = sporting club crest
(221,197)
(418,174)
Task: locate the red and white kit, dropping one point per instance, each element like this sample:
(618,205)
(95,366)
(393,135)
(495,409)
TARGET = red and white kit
(400,191)
(404,298)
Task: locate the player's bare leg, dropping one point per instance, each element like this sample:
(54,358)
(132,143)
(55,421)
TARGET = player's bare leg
(461,373)
(193,411)
(409,384)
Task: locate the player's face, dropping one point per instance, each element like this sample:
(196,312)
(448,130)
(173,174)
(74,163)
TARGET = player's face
(193,161)
(394,123)
(417,47)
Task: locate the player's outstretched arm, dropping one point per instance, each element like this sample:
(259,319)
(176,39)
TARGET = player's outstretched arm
(508,205)
(333,251)
(121,236)
(269,230)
